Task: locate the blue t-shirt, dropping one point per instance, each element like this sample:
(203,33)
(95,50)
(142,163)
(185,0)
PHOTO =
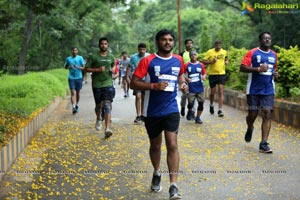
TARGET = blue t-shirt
(195,72)
(134,61)
(260,83)
(157,69)
(78,60)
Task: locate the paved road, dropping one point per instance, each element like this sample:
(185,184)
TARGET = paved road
(69,159)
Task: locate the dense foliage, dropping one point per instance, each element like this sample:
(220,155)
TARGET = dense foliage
(39,36)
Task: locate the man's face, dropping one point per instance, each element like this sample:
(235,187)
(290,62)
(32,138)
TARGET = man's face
(165,43)
(193,57)
(103,45)
(74,51)
(218,46)
(189,45)
(266,40)
(142,51)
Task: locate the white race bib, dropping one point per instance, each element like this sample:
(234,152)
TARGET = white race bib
(171,81)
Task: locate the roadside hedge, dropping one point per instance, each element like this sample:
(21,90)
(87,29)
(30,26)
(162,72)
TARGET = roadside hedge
(24,94)
(22,97)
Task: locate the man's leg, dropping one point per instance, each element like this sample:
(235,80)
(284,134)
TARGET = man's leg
(183,103)
(124,83)
(77,96)
(73,97)
(138,99)
(107,108)
(155,152)
(98,107)
(220,99)
(173,163)
(266,124)
(211,99)
(142,117)
(172,155)
(250,119)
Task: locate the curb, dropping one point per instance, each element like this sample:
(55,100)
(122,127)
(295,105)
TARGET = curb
(10,151)
(284,112)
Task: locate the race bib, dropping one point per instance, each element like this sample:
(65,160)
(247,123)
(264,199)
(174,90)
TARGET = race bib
(194,77)
(171,81)
(269,72)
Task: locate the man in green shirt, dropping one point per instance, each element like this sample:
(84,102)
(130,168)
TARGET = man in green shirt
(102,66)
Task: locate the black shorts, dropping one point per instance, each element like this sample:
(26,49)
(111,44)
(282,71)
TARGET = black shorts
(256,102)
(135,92)
(155,125)
(217,79)
(101,94)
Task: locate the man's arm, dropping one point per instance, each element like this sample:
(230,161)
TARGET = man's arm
(182,83)
(261,68)
(127,73)
(138,84)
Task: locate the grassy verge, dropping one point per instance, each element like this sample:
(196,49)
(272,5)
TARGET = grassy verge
(23,97)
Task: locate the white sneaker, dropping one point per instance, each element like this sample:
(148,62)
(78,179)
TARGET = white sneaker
(98,125)
(108,133)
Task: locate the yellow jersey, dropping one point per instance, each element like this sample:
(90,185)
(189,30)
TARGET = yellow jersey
(217,68)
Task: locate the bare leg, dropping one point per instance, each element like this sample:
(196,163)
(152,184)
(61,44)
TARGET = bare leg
(221,96)
(266,124)
(212,95)
(250,119)
(172,155)
(155,152)
(138,97)
(77,96)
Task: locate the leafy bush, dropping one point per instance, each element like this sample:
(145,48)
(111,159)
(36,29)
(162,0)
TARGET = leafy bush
(22,95)
(237,80)
(289,68)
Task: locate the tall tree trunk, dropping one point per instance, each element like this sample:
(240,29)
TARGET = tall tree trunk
(27,34)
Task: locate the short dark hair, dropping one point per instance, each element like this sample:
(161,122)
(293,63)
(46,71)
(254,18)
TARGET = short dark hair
(123,52)
(262,33)
(142,45)
(164,32)
(72,48)
(188,40)
(218,42)
(103,38)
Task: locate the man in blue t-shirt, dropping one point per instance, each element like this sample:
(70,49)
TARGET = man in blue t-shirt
(196,74)
(260,63)
(139,94)
(75,64)
(164,73)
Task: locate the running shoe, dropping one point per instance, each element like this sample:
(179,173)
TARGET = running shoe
(155,183)
(189,115)
(211,110)
(193,115)
(174,194)
(264,147)
(74,111)
(136,121)
(98,125)
(220,113)
(198,120)
(248,135)
(108,133)
(77,108)
(182,111)
(142,118)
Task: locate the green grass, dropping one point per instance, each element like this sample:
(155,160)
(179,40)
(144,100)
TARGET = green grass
(22,95)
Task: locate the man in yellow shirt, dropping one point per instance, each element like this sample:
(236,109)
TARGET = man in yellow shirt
(216,58)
